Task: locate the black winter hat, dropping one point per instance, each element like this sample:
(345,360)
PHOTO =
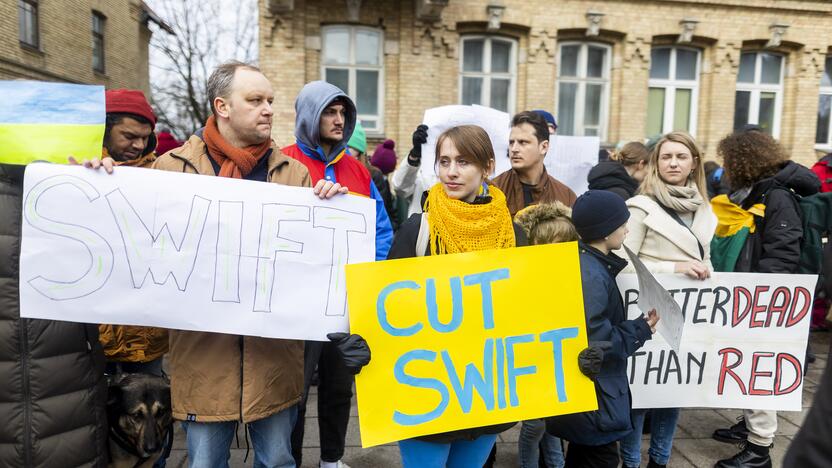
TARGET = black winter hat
(597,213)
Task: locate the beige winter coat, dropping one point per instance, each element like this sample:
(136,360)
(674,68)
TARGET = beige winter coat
(660,241)
(217,377)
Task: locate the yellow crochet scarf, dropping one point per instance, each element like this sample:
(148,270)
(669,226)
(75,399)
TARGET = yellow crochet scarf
(457,226)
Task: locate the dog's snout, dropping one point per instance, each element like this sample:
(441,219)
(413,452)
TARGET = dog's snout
(151,446)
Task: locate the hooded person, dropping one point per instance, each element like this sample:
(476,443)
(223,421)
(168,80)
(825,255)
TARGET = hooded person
(326,121)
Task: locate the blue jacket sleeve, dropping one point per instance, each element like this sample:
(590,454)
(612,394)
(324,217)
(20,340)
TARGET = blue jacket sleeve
(384,230)
(625,337)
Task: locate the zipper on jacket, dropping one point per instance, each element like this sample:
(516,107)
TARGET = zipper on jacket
(23,326)
(242,360)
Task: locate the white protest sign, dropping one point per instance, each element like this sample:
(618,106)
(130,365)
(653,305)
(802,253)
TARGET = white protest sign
(744,344)
(494,122)
(570,158)
(653,296)
(190,252)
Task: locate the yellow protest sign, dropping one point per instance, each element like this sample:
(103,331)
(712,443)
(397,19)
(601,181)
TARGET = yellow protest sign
(468,340)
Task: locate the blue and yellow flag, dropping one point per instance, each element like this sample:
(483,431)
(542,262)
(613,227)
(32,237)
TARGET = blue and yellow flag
(43,121)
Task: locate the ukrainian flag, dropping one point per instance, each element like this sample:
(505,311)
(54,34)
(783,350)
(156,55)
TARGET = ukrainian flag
(43,121)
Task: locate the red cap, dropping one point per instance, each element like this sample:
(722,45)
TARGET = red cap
(129,101)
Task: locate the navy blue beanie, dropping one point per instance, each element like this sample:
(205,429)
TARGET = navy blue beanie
(547,116)
(597,213)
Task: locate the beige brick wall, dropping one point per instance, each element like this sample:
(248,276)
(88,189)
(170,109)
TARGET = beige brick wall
(66,44)
(422,60)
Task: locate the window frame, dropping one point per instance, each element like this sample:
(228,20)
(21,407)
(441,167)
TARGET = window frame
(757,88)
(100,35)
(826,91)
(671,84)
(352,67)
(487,75)
(582,80)
(35,6)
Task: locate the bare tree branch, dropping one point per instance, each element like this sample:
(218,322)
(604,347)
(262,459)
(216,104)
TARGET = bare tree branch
(206,35)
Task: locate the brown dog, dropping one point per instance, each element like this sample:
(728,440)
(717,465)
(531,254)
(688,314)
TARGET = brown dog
(139,415)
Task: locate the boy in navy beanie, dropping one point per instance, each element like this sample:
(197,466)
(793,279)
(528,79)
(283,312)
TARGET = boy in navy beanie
(600,217)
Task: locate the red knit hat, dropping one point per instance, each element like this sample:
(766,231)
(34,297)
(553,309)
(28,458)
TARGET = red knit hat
(129,101)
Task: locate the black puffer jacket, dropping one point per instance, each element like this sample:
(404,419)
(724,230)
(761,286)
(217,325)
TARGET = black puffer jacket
(611,176)
(52,387)
(775,245)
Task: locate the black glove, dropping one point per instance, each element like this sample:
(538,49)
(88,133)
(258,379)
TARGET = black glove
(420,137)
(353,350)
(591,358)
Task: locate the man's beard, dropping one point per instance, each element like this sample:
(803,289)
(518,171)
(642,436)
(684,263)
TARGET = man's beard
(116,155)
(330,141)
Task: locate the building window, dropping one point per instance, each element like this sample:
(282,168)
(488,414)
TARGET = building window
(27,21)
(759,94)
(98,21)
(583,89)
(823,134)
(673,90)
(487,72)
(352,61)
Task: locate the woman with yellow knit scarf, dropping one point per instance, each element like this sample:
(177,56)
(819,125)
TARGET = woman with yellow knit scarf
(463,213)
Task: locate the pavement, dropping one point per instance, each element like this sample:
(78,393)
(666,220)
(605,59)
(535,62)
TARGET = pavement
(692,446)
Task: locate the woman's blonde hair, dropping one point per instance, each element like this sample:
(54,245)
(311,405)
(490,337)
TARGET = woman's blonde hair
(653,183)
(631,154)
(547,223)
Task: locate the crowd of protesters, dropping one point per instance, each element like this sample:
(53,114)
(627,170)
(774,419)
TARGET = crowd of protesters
(662,200)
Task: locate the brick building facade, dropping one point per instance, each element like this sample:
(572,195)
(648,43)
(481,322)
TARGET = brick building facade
(80,41)
(623,70)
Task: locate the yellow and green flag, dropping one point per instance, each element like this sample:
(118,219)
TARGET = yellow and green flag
(45,121)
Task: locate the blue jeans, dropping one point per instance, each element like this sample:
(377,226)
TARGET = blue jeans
(532,432)
(457,454)
(209,443)
(662,428)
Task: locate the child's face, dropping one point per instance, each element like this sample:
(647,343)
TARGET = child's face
(615,240)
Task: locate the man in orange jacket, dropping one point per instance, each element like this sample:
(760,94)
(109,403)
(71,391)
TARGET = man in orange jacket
(130,141)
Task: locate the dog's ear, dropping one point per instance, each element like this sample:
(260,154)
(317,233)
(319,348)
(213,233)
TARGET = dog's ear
(114,393)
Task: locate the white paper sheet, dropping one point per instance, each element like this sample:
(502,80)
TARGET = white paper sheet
(570,158)
(652,295)
(494,122)
(190,252)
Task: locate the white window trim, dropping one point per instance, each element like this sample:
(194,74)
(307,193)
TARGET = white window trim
(352,67)
(671,84)
(757,88)
(826,91)
(487,74)
(582,80)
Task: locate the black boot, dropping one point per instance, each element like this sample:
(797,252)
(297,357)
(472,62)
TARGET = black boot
(737,433)
(752,456)
(653,464)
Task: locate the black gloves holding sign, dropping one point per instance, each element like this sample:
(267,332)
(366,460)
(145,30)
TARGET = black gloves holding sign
(420,137)
(353,350)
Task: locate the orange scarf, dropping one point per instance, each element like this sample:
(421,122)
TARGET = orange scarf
(234,162)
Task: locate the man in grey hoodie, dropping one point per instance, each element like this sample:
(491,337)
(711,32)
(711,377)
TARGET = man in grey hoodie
(326,118)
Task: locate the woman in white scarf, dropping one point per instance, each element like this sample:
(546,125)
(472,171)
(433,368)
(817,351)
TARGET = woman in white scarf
(671,225)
